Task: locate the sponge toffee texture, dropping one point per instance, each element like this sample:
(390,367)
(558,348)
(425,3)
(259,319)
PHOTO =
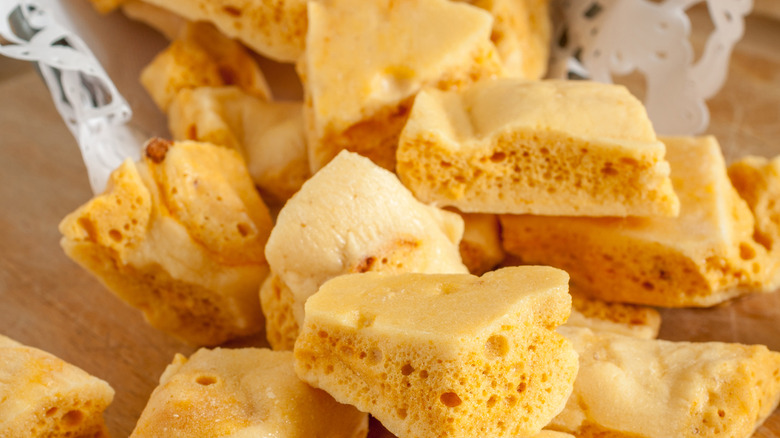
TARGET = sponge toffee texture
(352,216)
(403,46)
(245,392)
(514,146)
(485,362)
(626,386)
(44,396)
(179,236)
(703,257)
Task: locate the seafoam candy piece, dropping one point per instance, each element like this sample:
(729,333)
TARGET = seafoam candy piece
(434,355)
(626,385)
(515,146)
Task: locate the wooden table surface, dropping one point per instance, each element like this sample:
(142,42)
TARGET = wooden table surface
(48,302)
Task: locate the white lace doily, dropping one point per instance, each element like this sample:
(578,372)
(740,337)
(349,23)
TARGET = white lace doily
(84,95)
(599,39)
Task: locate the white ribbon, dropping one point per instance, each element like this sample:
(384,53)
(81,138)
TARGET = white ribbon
(86,98)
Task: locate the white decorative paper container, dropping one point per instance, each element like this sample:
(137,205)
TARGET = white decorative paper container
(596,39)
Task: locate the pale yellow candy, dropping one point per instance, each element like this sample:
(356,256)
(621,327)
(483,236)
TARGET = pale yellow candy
(384,52)
(515,146)
(275,29)
(628,387)
(703,257)
(200,56)
(277,301)
(42,395)
(248,392)
(521,33)
(162,20)
(625,319)
(269,135)
(354,216)
(433,355)
(480,247)
(757,181)
(181,236)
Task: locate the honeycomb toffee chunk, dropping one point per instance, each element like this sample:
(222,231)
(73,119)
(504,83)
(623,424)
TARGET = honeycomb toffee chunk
(703,257)
(434,355)
(243,392)
(366,60)
(351,216)
(629,387)
(179,235)
(541,147)
(44,396)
